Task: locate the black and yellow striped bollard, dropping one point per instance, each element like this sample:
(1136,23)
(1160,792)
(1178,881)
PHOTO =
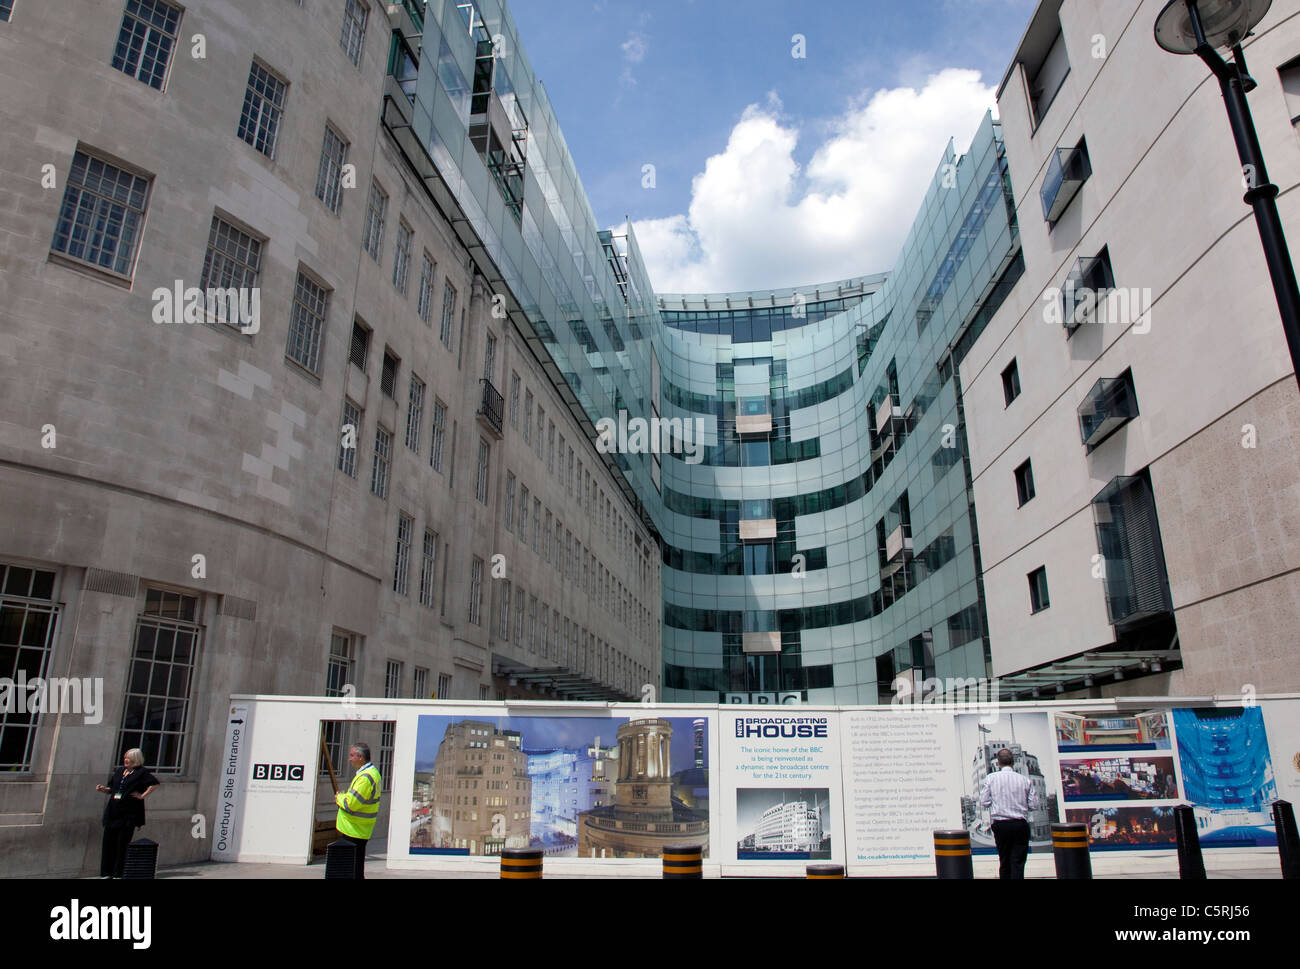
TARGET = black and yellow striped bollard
(521,863)
(825,871)
(952,854)
(683,861)
(1070,848)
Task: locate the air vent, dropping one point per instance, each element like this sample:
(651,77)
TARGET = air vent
(112,583)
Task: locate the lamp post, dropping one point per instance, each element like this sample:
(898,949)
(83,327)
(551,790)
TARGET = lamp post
(1198,27)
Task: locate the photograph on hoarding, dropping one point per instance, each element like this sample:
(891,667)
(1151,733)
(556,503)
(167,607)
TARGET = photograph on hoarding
(1029,738)
(1119,777)
(1121,828)
(589,787)
(1136,731)
(786,823)
(1227,775)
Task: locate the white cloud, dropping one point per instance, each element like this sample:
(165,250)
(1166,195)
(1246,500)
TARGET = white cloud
(634,48)
(754,223)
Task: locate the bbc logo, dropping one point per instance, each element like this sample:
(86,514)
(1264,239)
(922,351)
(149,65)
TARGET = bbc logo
(277,772)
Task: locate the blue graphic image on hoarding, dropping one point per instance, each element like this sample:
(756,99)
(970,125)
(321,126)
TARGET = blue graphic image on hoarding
(1227,774)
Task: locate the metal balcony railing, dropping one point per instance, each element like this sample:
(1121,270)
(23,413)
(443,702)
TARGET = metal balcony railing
(492,407)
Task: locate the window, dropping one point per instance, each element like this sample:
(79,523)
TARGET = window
(307,323)
(402,564)
(156,715)
(428,566)
(1038,590)
(420,688)
(532,624)
(439,434)
(103,210)
(376,210)
(505,611)
(481,481)
(1025,482)
(523,514)
(519,617)
(329,176)
(388,375)
(490,359)
(233,261)
(259,122)
(379,468)
(359,352)
(1128,538)
(339,675)
(475,589)
(528,417)
(546,539)
(1046,69)
(392,680)
(448,312)
(1110,404)
(546,633)
(6,9)
(1085,294)
(28,619)
(1066,173)
(1290,76)
(414,413)
(146,40)
(514,400)
(541,427)
(355,14)
(444,686)
(424,299)
(510,501)
(387,733)
(349,434)
(402,256)
(1011,382)
(537,525)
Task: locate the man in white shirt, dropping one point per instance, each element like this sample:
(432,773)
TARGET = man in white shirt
(1009,797)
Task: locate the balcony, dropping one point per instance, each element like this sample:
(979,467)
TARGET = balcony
(1128,537)
(1110,404)
(491,409)
(1066,173)
(1085,290)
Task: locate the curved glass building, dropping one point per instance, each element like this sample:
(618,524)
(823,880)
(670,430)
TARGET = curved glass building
(824,542)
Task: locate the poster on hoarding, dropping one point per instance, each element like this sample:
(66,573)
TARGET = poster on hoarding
(900,782)
(1227,775)
(1028,736)
(576,786)
(781,787)
(1282,722)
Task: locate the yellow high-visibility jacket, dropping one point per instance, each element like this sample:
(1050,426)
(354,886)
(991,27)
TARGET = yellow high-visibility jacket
(359,804)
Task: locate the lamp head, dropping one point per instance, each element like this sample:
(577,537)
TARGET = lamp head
(1224,23)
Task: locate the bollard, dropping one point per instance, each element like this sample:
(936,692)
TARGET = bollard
(825,871)
(141,859)
(952,854)
(1288,840)
(521,863)
(1191,865)
(1070,848)
(683,861)
(340,860)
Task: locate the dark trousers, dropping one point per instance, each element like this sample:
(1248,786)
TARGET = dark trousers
(1012,839)
(112,860)
(359,856)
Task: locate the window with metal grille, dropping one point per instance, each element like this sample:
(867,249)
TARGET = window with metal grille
(424,298)
(402,256)
(428,568)
(353,37)
(340,674)
(388,375)
(156,713)
(448,313)
(379,467)
(475,589)
(349,434)
(392,680)
(387,732)
(232,262)
(259,122)
(329,176)
(359,353)
(414,413)
(376,210)
(146,40)
(402,563)
(439,434)
(307,323)
(102,212)
(28,619)
(481,481)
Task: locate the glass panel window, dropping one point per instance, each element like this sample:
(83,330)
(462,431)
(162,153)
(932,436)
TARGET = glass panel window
(28,618)
(146,40)
(528,417)
(307,323)
(340,673)
(353,37)
(414,413)
(402,257)
(1011,382)
(481,481)
(402,563)
(424,299)
(376,210)
(510,502)
(439,434)
(259,122)
(379,467)
(421,686)
(448,313)
(505,611)
(103,210)
(156,713)
(1038,598)
(232,262)
(6,9)
(1025,482)
(349,434)
(329,176)
(428,565)
(475,589)
(514,400)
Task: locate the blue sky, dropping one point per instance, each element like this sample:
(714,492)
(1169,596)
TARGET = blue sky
(769,169)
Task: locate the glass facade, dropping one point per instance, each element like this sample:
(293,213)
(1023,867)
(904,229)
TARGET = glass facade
(813,501)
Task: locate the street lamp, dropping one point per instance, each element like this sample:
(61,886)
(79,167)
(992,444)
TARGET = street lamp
(1198,27)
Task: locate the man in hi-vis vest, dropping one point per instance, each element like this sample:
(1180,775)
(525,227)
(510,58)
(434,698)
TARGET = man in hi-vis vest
(359,804)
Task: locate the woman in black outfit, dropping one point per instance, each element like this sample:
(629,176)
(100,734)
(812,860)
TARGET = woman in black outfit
(127,788)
